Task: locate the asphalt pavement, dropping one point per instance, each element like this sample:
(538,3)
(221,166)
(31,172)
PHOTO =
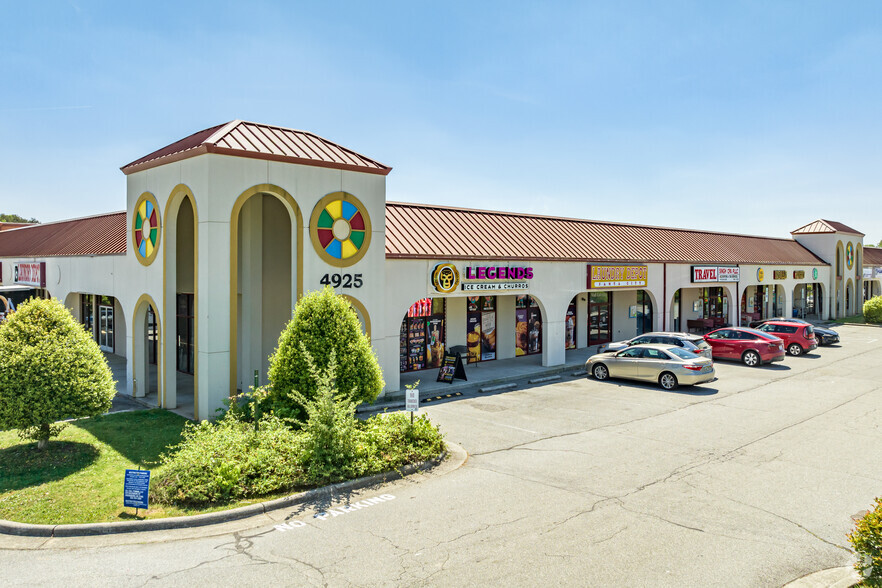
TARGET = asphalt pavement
(751,480)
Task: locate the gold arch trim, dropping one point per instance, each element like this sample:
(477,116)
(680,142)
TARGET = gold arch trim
(160,360)
(285,197)
(364,313)
(175,199)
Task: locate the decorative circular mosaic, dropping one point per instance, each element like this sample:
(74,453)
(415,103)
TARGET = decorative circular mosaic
(849,255)
(340,229)
(146,228)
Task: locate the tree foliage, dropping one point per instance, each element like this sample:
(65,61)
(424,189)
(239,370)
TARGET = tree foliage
(50,369)
(14,218)
(323,326)
(873,310)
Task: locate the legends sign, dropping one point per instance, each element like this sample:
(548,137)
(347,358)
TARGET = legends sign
(484,278)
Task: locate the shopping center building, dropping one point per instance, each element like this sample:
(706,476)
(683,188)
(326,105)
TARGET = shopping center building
(225,229)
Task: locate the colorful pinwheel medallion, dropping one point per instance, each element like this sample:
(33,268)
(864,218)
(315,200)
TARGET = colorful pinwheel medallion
(340,229)
(146,228)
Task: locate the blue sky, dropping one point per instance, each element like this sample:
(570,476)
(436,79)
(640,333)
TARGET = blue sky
(747,117)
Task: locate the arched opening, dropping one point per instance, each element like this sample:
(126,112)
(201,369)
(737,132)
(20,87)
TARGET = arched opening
(423,335)
(361,312)
(179,362)
(146,351)
(266,267)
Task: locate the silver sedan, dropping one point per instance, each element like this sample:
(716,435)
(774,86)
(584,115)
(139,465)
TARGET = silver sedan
(668,365)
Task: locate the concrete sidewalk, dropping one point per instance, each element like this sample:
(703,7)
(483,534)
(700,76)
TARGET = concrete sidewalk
(483,376)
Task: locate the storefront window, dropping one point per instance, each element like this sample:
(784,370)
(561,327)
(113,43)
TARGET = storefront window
(570,325)
(186,335)
(481,328)
(715,303)
(87,313)
(644,312)
(528,326)
(422,335)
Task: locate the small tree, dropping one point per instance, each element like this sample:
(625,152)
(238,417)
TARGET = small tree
(50,369)
(873,310)
(323,326)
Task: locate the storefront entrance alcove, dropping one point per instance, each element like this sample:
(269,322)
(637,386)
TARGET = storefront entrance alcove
(702,309)
(264,266)
(179,361)
(808,300)
(145,351)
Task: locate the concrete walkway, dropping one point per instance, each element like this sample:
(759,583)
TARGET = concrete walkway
(123,401)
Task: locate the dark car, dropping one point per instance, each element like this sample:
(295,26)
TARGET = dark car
(798,339)
(748,345)
(823,336)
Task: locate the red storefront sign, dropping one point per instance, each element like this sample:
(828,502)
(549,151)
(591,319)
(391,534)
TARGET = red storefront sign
(713,273)
(29,274)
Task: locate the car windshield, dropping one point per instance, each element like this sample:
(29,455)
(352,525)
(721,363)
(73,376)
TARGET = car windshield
(681,353)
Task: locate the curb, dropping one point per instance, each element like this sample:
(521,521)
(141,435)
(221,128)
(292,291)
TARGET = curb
(213,518)
(829,578)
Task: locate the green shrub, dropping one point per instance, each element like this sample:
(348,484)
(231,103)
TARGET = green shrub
(331,448)
(50,369)
(873,310)
(867,542)
(323,324)
(229,460)
(394,442)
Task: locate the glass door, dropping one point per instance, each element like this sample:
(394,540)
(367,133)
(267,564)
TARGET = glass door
(599,318)
(105,328)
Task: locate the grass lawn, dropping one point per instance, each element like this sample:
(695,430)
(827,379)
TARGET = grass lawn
(857,318)
(79,478)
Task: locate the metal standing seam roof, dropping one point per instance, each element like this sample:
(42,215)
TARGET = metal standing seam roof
(825,226)
(259,141)
(420,231)
(872,256)
(103,234)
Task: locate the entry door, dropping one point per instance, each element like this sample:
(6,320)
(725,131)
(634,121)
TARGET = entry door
(599,318)
(105,328)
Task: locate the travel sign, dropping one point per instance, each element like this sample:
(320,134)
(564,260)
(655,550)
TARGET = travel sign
(714,273)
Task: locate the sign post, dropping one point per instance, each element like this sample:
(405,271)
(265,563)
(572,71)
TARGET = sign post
(412,399)
(136,490)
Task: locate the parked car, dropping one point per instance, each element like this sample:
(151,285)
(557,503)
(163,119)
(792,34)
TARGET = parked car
(751,346)
(798,339)
(824,336)
(693,343)
(669,365)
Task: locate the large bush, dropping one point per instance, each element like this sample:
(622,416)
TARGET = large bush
(323,325)
(873,310)
(229,460)
(50,369)
(867,541)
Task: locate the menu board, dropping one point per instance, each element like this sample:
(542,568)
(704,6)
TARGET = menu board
(451,368)
(416,344)
(473,336)
(488,336)
(435,338)
(402,347)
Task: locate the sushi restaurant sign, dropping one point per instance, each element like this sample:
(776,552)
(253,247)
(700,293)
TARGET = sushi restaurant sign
(617,276)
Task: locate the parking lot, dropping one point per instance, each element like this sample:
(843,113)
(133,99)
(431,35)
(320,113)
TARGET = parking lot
(750,480)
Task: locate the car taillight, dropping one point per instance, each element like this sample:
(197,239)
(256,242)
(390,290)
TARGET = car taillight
(694,368)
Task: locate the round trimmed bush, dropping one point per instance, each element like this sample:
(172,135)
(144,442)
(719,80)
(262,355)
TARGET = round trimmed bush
(50,369)
(323,326)
(867,541)
(873,310)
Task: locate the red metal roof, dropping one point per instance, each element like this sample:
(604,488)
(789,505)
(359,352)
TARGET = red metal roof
(426,231)
(873,256)
(103,234)
(247,139)
(7,226)
(825,226)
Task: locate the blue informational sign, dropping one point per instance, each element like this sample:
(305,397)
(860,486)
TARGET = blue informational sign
(136,488)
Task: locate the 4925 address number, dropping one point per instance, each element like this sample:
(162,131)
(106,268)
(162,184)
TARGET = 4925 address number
(342,280)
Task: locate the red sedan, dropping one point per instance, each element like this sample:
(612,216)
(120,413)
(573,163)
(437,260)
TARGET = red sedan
(748,345)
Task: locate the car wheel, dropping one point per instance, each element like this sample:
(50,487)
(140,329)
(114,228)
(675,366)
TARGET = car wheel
(751,358)
(668,381)
(794,349)
(600,372)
